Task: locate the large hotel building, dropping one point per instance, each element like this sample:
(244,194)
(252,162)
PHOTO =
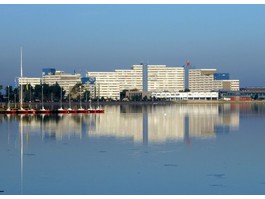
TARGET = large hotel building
(160,78)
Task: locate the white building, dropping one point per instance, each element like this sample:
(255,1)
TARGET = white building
(33,81)
(202,80)
(106,85)
(231,85)
(185,95)
(67,81)
(160,78)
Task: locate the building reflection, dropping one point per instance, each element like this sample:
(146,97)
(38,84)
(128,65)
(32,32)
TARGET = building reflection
(142,124)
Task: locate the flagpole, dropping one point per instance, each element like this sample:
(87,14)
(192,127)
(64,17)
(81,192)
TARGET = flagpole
(21,75)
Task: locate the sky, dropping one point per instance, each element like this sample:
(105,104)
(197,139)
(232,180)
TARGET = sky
(82,38)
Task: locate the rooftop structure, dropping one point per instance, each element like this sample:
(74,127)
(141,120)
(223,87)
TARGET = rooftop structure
(221,76)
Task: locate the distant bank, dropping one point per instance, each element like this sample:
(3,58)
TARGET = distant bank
(3,106)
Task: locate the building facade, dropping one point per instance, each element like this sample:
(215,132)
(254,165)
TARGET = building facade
(67,81)
(231,85)
(106,84)
(159,78)
(33,81)
(206,80)
(185,95)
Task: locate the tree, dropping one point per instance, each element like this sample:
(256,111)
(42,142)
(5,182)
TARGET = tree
(55,92)
(86,95)
(255,97)
(50,93)
(27,90)
(145,98)
(75,91)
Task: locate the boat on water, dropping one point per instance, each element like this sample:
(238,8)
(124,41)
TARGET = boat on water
(44,111)
(90,110)
(81,110)
(71,110)
(10,111)
(99,110)
(61,110)
(32,111)
(22,111)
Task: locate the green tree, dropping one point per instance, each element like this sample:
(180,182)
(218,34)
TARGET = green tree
(55,92)
(50,93)
(27,92)
(9,90)
(75,92)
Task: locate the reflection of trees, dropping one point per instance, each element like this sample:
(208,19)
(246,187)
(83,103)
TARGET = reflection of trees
(131,109)
(48,118)
(77,118)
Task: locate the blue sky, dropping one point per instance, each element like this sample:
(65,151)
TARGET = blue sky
(230,38)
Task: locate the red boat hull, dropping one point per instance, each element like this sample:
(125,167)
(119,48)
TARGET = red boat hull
(10,112)
(100,111)
(22,111)
(62,111)
(44,111)
(82,111)
(72,111)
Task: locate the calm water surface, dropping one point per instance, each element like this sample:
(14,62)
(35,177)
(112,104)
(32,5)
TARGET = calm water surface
(172,149)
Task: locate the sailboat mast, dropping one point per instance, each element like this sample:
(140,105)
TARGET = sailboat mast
(61,98)
(21,75)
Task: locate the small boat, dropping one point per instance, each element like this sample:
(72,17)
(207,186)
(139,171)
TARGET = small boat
(61,110)
(44,111)
(99,110)
(90,110)
(81,110)
(22,111)
(32,111)
(71,110)
(10,111)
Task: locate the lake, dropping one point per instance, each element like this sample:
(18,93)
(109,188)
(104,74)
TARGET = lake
(131,149)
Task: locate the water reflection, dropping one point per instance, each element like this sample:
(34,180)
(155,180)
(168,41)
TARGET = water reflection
(142,124)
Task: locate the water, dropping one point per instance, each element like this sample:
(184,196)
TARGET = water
(169,149)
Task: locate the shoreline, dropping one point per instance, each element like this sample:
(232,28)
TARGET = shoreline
(35,105)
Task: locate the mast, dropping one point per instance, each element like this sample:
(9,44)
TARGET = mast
(21,75)
(69,108)
(61,98)
(42,96)
(80,96)
(8,106)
